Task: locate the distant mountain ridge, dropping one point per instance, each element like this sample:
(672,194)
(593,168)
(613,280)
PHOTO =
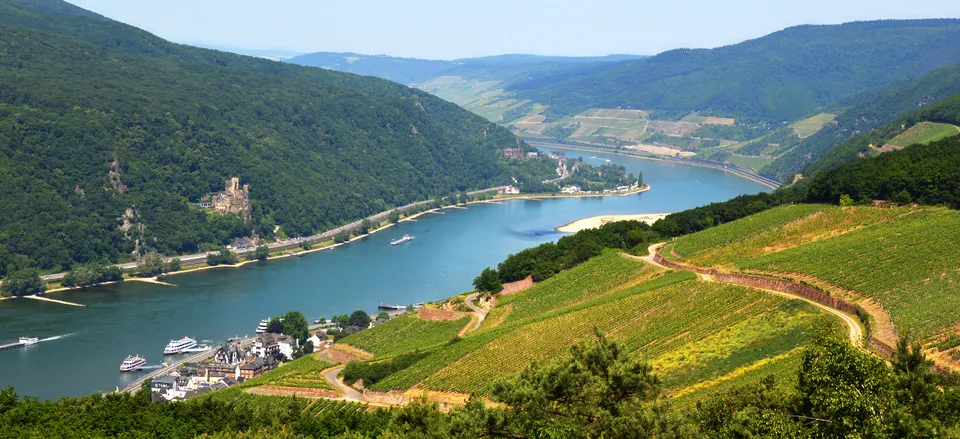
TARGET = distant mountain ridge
(777,77)
(414,70)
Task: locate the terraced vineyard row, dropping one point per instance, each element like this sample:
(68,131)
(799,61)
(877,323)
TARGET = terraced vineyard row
(449,353)
(774,230)
(404,334)
(909,265)
(597,276)
(783,368)
(712,238)
(650,323)
(302,373)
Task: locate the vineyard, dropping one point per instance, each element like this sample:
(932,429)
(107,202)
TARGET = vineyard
(303,373)
(650,323)
(595,277)
(909,265)
(404,334)
(782,367)
(449,353)
(775,230)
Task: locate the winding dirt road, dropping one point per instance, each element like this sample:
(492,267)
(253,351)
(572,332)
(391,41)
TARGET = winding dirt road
(480,312)
(349,393)
(855,330)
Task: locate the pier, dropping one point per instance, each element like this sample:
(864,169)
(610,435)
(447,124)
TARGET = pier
(47,299)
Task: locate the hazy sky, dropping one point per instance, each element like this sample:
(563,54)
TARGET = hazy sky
(447,29)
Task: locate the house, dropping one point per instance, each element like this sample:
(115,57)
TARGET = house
(510,190)
(164,383)
(267,344)
(228,354)
(286,345)
(512,153)
(318,339)
(533,155)
(257,367)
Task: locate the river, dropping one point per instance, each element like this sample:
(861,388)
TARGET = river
(449,251)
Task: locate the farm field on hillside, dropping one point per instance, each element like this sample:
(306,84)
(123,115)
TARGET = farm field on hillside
(775,230)
(782,367)
(809,126)
(649,323)
(909,265)
(925,132)
(403,334)
(442,356)
(597,276)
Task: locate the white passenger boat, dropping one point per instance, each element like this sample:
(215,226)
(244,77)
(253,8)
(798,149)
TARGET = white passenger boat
(27,341)
(178,346)
(132,363)
(404,240)
(262,327)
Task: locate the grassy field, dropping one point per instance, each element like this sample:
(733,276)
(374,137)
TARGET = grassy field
(749,161)
(925,132)
(650,323)
(908,264)
(775,230)
(404,334)
(782,367)
(595,277)
(809,126)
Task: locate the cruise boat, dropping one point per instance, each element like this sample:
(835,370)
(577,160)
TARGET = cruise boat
(404,240)
(27,341)
(132,363)
(178,346)
(262,327)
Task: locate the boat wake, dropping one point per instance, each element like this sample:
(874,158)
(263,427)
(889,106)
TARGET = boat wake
(57,337)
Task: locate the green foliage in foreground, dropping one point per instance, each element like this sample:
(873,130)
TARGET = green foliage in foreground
(596,391)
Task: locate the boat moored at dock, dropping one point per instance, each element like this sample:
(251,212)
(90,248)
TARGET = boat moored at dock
(179,346)
(262,327)
(133,363)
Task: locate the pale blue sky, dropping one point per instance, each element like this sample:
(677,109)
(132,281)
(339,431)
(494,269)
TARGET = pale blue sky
(447,29)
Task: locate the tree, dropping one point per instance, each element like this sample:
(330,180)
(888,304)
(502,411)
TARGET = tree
(359,318)
(174,265)
(275,326)
(395,216)
(341,237)
(224,256)
(307,347)
(295,325)
(488,281)
(23,283)
(364,226)
(150,265)
(260,254)
(383,315)
(846,200)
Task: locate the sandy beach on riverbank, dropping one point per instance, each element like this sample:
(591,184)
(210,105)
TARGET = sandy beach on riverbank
(597,221)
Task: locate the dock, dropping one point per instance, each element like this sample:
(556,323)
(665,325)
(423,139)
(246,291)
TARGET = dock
(47,299)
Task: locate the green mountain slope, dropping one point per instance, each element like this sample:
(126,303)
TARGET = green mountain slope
(860,114)
(781,76)
(318,148)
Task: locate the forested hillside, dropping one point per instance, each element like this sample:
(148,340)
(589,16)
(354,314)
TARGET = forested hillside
(861,113)
(778,77)
(97,117)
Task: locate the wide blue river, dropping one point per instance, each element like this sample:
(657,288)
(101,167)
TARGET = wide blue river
(86,345)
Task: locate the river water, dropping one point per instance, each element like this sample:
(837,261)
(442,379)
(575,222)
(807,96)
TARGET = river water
(449,251)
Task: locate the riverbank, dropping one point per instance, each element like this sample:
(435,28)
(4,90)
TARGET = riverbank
(598,221)
(586,148)
(290,250)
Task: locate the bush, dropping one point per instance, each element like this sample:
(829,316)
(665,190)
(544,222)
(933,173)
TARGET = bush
(22,283)
(150,265)
(173,265)
(223,257)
